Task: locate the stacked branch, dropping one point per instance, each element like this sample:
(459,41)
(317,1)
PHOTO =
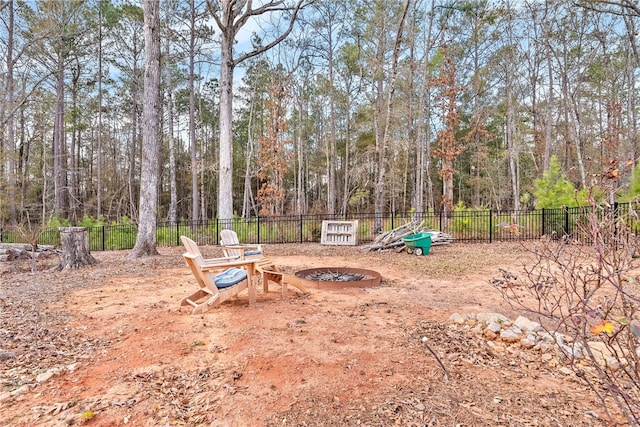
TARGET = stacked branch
(393,239)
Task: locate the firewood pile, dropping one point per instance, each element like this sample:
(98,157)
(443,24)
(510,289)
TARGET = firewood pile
(393,239)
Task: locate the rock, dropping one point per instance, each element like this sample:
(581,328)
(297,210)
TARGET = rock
(491,317)
(454,316)
(546,337)
(510,335)
(566,371)
(495,346)
(494,327)
(546,357)
(20,390)
(600,352)
(45,376)
(490,335)
(527,325)
(545,347)
(573,351)
(528,342)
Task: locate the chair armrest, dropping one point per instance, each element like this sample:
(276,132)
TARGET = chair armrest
(234,262)
(244,249)
(222,261)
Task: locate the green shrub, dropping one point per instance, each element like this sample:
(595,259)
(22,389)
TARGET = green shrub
(553,190)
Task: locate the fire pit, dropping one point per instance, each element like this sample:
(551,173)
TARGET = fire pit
(339,277)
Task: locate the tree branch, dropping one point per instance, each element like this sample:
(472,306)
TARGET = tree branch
(270,8)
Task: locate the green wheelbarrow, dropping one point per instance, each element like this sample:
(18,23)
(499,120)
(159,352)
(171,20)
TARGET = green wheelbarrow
(419,243)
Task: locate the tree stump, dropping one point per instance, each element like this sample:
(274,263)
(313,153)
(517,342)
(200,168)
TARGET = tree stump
(74,242)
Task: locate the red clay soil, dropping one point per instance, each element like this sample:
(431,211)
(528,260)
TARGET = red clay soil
(108,345)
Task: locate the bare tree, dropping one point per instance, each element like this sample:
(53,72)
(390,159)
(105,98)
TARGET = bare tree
(146,239)
(10,125)
(384,120)
(230,16)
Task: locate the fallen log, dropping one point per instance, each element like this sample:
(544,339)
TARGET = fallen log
(13,251)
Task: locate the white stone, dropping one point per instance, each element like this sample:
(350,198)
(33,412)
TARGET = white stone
(20,390)
(491,317)
(509,335)
(527,325)
(571,351)
(566,371)
(546,357)
(40,378)
(494,327)
(546,337)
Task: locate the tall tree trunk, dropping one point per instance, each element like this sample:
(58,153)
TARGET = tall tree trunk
(632,63)
(548,126)
(512,148)
(247,199)
(347,152)
(98,156)
(230,16)
(195,214)
(59,147)
(10,126)
(133,151)
(150,165)
(225,171)
(173,197)
(333,153)
(301,199)
(382,132)
(75,145)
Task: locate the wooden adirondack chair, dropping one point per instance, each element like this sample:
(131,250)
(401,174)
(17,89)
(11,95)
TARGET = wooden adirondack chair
(232,246)
(217,282)
(192,248)
(267,269)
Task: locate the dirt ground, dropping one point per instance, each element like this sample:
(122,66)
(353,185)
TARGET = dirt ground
(108,345)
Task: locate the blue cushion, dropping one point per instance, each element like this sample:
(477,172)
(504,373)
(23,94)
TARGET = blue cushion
(253,252)
(230,277)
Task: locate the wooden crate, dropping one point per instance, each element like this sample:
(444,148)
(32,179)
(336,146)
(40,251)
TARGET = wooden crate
(343,233)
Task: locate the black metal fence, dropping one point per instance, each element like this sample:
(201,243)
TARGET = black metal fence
(462,225)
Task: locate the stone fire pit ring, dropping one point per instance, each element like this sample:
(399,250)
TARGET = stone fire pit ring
(369,278)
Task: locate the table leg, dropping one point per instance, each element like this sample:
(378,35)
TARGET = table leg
(252,289)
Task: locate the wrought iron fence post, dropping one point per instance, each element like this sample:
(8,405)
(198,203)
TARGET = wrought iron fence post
(543,223)
(178,232)
(258,228)
(103,238)
(301,226)
(490,226)
(566,221)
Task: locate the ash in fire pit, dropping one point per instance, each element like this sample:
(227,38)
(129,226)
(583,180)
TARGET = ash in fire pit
(339,277)
(331,276)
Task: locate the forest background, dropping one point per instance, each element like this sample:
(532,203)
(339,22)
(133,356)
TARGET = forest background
(366,106)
